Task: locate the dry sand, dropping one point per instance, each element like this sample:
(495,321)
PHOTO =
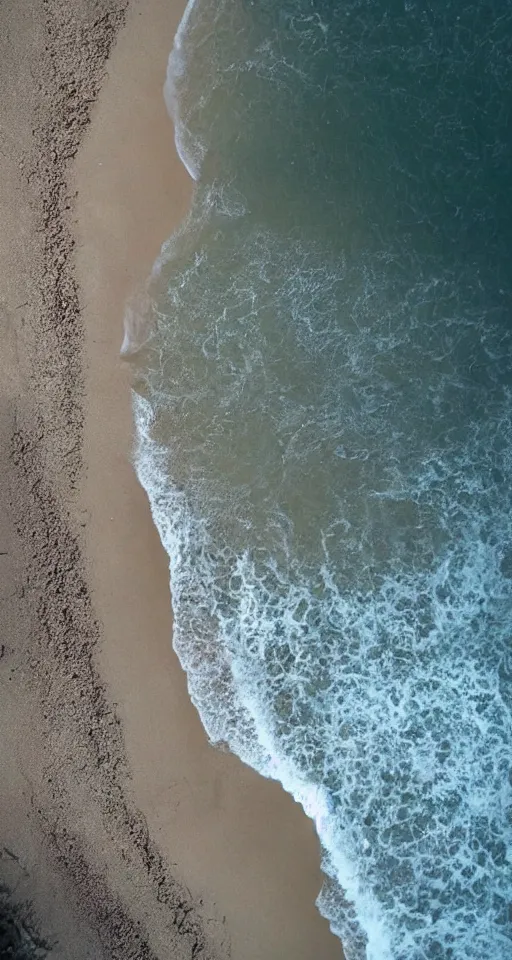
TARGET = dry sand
(132,836)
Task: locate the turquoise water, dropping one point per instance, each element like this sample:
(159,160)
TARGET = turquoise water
(324,420)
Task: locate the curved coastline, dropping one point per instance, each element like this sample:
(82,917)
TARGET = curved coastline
(129,834)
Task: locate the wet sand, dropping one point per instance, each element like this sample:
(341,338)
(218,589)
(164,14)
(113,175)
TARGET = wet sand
(132,836)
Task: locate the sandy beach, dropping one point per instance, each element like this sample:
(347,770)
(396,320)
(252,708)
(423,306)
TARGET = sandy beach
(128,832)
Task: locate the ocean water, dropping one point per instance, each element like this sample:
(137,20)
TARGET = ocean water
(323,403)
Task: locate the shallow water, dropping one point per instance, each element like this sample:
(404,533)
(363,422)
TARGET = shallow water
(324,420)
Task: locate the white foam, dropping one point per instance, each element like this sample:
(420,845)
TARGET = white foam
(190,151)
(399,753)
(229,685)
(399,739)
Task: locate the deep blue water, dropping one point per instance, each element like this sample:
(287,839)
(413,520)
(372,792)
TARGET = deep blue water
(324,416)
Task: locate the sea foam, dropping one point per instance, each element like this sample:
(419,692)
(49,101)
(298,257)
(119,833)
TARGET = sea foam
(324,430)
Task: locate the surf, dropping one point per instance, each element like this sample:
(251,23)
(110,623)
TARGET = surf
(324,424)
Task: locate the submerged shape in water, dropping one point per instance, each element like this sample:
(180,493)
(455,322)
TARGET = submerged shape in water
(324,417)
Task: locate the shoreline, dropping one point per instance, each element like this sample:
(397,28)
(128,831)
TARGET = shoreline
(213,791)
(131,836)
(128,842)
